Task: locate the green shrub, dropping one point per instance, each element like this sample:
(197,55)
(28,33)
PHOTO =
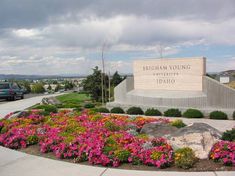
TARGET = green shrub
(234,115)
(172,113)
(89,105)
(102,110)
(92,112)
(122,155)
(71,105)
(152,112)
(47,108)
(135,111)
(33,139)
(111,126)
(73,127)
(81,158)
(229,135)
(136,160)
(178,123)
(96,117)
(218,115)
(3,130)
(59,106)
(110,145)
(44,113)
(185,158)
(108,149)
(117,110)
(193,113)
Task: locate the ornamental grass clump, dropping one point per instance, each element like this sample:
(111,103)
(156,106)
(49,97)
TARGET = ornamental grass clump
(96,117)
(122,155)
(178,123)
(111,126)
(185,158)
(32,139)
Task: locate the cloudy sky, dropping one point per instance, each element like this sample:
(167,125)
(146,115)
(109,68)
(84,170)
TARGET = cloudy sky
(66,36)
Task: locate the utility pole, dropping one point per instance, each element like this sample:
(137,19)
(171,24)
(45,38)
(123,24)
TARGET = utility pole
(102,75)
(160,50)
(109,87)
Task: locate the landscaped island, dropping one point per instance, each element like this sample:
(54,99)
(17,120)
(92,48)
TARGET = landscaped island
(103,139)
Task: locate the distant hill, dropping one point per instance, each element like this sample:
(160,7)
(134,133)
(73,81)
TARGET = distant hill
(228,73)
(35,77)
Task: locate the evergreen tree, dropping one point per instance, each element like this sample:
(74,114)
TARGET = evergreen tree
(116,79)
(92,84)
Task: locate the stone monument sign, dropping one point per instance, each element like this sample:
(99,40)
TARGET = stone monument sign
(169,74)
(173,83)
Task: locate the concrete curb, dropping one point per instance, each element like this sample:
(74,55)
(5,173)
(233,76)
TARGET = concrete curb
(14,163)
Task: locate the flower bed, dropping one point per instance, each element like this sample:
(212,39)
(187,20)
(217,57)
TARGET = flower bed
(223,151)
(100,139)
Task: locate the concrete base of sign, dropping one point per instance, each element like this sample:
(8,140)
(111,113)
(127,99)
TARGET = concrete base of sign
(214,96)
(166,93)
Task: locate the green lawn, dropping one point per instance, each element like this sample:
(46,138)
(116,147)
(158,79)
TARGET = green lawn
(73,98)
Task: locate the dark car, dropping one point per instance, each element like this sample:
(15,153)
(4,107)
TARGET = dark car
(10,91)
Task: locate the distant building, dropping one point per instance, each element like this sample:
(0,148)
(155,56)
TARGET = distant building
(53,86)
(226,77)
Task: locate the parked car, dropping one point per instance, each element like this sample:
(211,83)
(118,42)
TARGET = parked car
(10,91)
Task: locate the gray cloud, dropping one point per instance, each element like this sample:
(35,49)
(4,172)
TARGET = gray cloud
(31,13)
(38,35)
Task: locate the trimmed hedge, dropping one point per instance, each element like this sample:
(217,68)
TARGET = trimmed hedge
(47,108)
(229,135)
(152,112)
(218,115)
(89,105)
(117,110)
(193,113)
(135,111)
(172,113)
(102,110)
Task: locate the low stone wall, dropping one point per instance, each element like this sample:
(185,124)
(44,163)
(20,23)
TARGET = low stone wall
(216,96)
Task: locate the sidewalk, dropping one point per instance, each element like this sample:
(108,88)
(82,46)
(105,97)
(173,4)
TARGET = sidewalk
(17,105)
(14,163)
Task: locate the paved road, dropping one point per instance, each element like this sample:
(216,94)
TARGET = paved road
(26,96)
(11,106)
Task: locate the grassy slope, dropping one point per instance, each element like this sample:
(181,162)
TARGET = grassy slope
(73,98)
(232,84)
